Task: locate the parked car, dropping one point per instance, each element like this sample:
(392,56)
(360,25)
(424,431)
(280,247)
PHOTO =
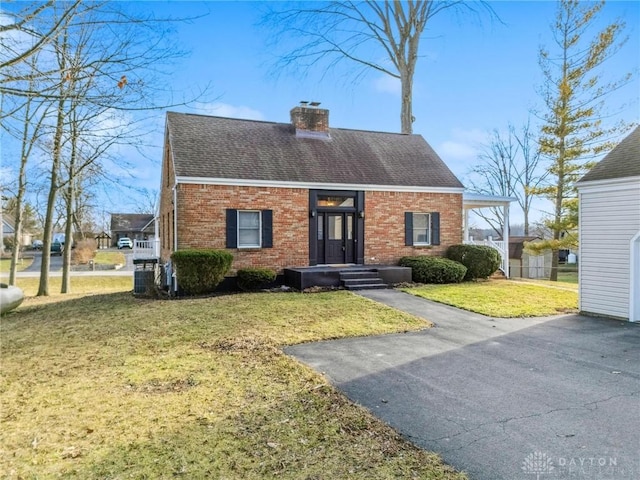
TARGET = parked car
(56,248)
(36,244)
(125,242)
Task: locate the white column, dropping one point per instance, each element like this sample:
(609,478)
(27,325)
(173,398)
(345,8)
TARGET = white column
(465,238)
(505,239)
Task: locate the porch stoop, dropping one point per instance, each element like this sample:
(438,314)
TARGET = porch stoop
(351,277)
(362,280)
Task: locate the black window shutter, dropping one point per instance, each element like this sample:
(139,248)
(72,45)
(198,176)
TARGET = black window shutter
(232,228)
(435,228)
(267,228)
(408,228)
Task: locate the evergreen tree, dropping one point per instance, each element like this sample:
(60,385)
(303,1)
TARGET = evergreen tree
(574,92)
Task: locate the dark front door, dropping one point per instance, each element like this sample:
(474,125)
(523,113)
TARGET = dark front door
(335,238)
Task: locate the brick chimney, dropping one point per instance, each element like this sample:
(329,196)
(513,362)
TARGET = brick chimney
(310,121)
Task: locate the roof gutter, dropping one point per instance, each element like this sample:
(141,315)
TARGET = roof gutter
(235,182)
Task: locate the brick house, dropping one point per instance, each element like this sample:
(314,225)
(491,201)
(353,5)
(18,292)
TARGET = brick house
(284,195)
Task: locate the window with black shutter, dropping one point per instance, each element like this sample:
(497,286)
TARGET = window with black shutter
(249,228)
(422,229)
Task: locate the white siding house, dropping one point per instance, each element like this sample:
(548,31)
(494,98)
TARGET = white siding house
(609,199)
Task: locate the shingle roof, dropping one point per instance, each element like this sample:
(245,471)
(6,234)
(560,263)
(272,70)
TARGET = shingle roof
(133,222)
(622,161)
(516,245)
(216,147)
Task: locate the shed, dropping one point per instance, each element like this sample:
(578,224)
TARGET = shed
(103,239)
(523,264)
(609,229)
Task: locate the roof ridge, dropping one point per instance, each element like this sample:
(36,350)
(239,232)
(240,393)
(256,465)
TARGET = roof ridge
(289,124)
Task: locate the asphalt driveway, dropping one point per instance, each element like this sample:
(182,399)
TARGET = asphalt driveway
(550,398)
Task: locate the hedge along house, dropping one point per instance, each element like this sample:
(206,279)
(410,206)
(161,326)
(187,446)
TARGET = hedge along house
(609,229)
(299,194)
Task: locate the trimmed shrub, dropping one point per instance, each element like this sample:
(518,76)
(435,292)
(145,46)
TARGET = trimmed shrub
(200,270)
(255,278)
(426,269)
(8,243)
(481,261)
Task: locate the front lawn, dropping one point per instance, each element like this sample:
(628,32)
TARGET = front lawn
(80,286)
(110,386)
(105,257)
(502,298)
(5,264)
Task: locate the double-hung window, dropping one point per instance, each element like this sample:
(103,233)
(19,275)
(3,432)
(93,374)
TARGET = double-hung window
(422,229)
(421,234)
(249,229)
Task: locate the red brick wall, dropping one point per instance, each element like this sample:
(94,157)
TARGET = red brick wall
(202,222)
(384,223)
(165,222)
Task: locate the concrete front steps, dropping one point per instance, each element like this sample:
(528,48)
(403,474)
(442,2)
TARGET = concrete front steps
(362,280)
(367,276)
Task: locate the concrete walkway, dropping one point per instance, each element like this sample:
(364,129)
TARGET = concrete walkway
(492,396)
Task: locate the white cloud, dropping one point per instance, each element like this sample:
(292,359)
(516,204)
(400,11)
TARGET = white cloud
(220,109)
(387,84)
(456,150)
(462,144)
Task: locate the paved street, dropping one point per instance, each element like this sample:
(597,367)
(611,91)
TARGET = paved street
(552,398)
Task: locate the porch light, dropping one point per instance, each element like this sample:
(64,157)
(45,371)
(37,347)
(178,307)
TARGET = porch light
(312,213)
(361,214)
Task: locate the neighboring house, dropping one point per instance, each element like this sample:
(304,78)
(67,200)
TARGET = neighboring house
(140,226)
(8,230)
(297,194)
(523,264)
(609,228)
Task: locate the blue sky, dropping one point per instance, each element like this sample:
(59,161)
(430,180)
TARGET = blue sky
(472,78)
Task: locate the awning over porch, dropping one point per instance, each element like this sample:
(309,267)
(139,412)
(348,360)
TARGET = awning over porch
(473,201)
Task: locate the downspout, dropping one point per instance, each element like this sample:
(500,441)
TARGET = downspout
(175,234)
(175,217)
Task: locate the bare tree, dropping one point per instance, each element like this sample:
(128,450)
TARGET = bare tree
(32,114)
(346,30)
(574,92)
(16,50)
(496,175)
(509,167)
(103,64)
(530,176)
(149,203)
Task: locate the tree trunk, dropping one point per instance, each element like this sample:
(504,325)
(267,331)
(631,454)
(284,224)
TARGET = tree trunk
(68,198)
(17,235)
(43,287)
(406,112)
(68,241)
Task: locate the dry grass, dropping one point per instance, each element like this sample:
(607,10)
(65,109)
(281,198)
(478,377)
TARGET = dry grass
(5,264)
(109,258)
(503,298)
(80,286)
(110,386)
